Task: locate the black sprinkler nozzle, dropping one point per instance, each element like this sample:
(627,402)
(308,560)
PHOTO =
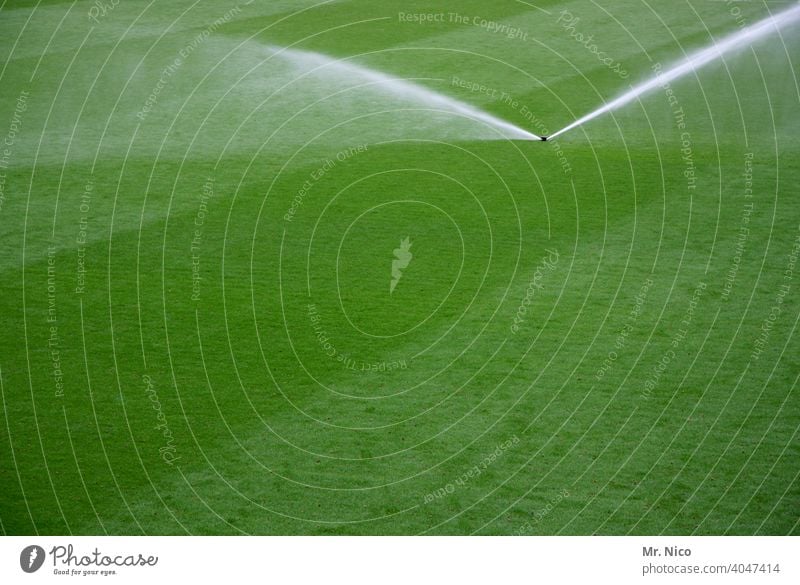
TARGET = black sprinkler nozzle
(544,138)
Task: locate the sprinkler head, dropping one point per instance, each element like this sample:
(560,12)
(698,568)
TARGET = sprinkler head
(544,138)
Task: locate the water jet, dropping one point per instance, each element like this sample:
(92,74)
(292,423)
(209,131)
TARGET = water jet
(733,42)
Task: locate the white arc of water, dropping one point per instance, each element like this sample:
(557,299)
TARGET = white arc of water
(738,40)
(403,89)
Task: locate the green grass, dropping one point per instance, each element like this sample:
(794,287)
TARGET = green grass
(276,436)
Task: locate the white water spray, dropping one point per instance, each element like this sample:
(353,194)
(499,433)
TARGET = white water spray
(733,42)
(401,89)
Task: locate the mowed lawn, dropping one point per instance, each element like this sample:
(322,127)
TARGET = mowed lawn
(201,207)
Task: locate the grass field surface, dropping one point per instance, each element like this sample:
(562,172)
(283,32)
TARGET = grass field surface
(264,271)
